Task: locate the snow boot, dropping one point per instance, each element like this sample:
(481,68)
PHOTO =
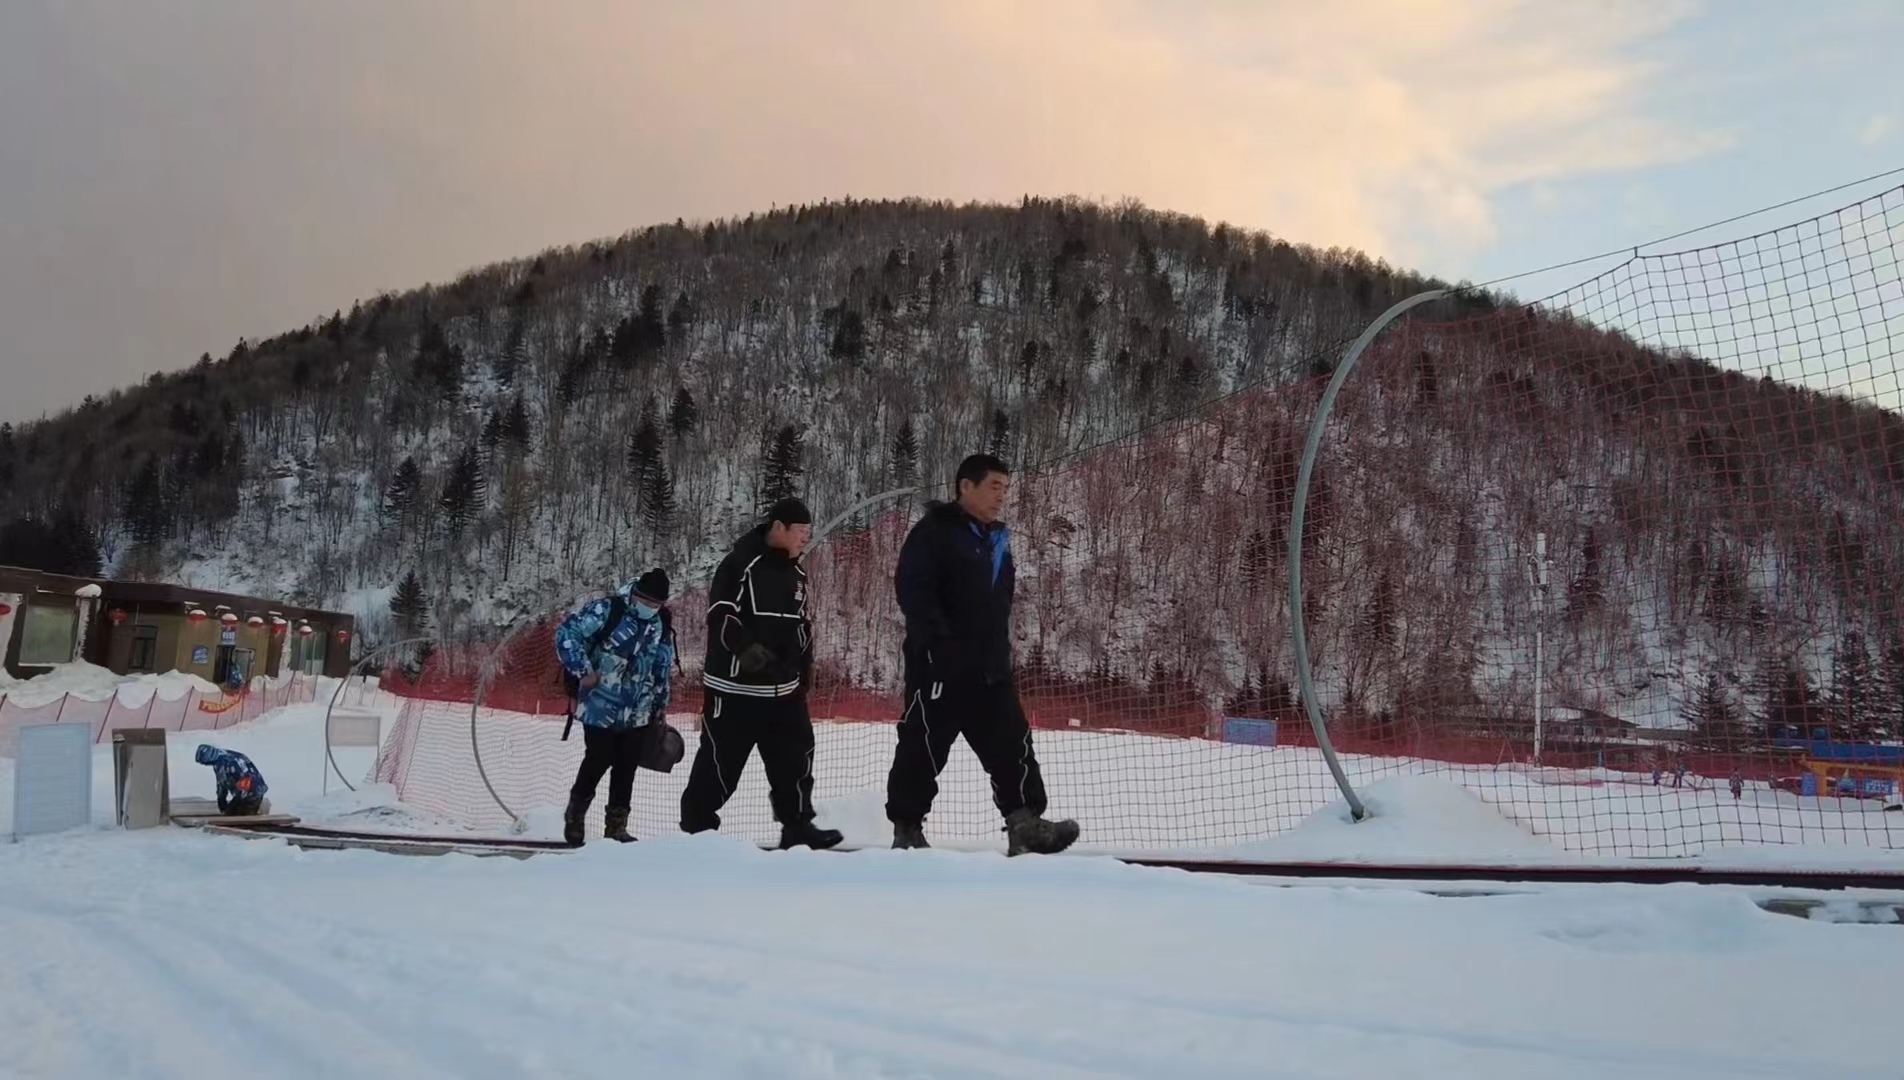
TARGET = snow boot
(615,824)
(1026,832)
(806,834)
(572,822)
(907,835)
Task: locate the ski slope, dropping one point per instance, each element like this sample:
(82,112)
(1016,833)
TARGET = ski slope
(159,953)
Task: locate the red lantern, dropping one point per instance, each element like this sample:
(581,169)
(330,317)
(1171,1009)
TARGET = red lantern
(228,619)
(117,615)
(255,620)
(197,615)
(5,610)
(305,630)
(343,636)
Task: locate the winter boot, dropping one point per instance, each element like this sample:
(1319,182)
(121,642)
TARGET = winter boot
(1027,832)
(572,822)
(806,834)
(908,835)
(615,824)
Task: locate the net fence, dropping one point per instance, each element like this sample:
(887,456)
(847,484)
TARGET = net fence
(1622,563)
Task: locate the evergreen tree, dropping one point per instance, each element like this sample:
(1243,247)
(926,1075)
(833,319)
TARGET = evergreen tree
(410,607)
(644,446)
(784,464)
(657,499)
(1714,720)
(680,318)
(684,416)
(76,544)
(515,424)
(849,337)
(905,455)
(998,442)
(492,435)
(1852,694)
(464,492)
(399,498)
(505,365)
(148,505)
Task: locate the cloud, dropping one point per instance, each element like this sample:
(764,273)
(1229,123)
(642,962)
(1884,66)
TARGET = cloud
(243,186)
(1876,130)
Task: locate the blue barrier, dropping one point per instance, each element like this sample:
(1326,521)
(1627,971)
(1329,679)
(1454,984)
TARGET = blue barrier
(1251,732)
(1873,787)
(1826,750)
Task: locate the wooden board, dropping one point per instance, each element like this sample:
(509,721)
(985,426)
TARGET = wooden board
(193,811)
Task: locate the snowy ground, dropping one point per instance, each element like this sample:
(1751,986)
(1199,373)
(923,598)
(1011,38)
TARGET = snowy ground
(1196,797)
(148,954)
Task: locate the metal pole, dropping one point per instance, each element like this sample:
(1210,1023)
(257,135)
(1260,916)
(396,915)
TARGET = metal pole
(1298,637)
(1540,626)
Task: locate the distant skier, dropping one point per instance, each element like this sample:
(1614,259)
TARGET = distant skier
(618,653)
(758,670)
(241,787)
(954,584)
(1737,784)
(1679,772)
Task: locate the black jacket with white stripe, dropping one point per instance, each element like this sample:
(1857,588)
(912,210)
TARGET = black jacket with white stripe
(759,597)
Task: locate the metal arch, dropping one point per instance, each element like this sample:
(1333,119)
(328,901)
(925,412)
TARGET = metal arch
(357,669)
(517,822)
(1299,637)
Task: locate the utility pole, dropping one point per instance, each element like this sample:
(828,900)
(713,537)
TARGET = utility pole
(1538,572)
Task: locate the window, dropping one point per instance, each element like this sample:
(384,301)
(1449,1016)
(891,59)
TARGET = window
(48,634)
(145,649)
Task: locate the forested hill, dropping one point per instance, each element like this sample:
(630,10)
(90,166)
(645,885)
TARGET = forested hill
(517,439)
(539,427)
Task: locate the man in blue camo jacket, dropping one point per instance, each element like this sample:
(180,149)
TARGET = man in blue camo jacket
(241,786)
(620,654)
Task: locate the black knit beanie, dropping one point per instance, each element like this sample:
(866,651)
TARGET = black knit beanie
(789,511)
(653,585)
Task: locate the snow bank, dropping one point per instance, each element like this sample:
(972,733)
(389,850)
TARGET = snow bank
(94,683)
(1411,819)
(130,954)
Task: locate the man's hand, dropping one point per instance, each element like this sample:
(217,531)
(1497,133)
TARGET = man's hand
(590,680)
(755,658)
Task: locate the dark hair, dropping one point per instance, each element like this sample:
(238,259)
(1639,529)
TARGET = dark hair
(976,468)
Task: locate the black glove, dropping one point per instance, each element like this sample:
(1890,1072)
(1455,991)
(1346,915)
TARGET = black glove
(755,658)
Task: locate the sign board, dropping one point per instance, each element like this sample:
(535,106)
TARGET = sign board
(141,780)
(52,778)
(1249,732)
(351,727)
(201,654)
(228,635)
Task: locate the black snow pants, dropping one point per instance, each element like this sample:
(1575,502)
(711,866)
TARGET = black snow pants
(994,725)
(732,725)
(615,752)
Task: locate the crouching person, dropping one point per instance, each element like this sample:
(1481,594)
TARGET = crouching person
(241,786)
(618,653)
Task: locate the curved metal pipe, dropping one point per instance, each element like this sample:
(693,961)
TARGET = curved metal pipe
(1305,678)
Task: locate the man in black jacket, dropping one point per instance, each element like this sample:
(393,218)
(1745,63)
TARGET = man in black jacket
(955,584)
(759,666)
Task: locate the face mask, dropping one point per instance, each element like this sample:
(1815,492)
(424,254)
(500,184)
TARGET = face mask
(644,610)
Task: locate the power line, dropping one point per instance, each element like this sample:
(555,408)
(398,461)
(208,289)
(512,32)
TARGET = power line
(1634,249)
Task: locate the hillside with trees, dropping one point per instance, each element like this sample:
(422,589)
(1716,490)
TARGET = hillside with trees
(462,456)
